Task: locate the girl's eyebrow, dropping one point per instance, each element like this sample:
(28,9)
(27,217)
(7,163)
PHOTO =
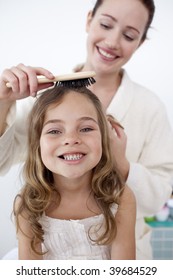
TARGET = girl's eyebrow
(114,19)
(61,121)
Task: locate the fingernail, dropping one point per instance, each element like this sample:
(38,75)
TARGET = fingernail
(51,74)
(33,94)
(119,125)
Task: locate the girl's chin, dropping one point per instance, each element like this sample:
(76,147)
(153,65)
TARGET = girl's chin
(71,176)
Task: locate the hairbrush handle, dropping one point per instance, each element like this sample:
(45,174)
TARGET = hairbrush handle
(66,77)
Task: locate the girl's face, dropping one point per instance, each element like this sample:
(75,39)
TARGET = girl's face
(70,142)
(114,34)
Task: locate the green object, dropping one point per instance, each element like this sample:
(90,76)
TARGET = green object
(149,219)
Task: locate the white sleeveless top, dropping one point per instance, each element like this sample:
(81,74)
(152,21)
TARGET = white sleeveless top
(69,239)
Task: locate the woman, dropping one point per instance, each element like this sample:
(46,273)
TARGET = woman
(116,29)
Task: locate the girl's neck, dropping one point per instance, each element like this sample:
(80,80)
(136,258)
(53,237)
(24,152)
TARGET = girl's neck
(74,205)
(73,186)
(77,200)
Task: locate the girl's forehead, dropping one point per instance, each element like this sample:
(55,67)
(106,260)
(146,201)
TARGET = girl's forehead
(72,104)
(74,98)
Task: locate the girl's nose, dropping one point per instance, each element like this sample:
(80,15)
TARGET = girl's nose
(71,139)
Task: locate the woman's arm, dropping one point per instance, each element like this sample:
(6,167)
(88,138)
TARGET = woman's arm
(13,115)
(4,109)
(123,247)
(149,171)
(151,177)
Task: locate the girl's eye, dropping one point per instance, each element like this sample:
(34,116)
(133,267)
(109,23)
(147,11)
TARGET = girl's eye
(54,131)
(86,129)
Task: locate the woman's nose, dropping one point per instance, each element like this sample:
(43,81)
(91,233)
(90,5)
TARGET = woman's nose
(113,40)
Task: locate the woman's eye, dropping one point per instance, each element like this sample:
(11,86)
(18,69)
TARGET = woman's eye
(128,37)
(105,26)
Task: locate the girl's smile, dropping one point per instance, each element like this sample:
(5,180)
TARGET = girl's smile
(72,157)
(71,139)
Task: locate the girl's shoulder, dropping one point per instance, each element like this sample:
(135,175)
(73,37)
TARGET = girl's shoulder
(128,199)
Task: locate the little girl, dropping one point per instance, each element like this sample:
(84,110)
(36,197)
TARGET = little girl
(74,204)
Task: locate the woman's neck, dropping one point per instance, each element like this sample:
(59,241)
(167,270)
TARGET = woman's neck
(106,86)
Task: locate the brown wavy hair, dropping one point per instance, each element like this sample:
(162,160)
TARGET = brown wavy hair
(37,192)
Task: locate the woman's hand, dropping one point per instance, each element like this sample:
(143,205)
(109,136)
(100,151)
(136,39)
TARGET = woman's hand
(118,141)
(23,82)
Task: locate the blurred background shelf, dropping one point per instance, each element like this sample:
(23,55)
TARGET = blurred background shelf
(162,239)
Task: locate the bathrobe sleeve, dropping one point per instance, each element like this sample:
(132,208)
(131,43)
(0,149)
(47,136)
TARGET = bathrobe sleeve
(149,144)
(13,141)
(151,176)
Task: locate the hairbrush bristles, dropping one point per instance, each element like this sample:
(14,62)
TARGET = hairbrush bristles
(76,83)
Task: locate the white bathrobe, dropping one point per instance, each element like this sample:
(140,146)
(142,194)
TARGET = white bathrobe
(149,149)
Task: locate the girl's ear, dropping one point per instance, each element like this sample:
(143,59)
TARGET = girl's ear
(88,21)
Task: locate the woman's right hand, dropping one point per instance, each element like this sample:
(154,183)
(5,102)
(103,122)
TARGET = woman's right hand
(23,82)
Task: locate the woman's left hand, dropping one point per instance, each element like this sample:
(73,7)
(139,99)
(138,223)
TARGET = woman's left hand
(118,141)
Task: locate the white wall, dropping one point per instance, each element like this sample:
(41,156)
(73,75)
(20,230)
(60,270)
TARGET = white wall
(51,34)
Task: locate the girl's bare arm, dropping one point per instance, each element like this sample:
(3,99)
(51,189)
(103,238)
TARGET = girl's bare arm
(123,247)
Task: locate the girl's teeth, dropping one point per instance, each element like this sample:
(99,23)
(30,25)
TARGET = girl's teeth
(72,157)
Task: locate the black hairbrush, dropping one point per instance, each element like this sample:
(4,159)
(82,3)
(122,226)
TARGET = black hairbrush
(77,79)
(74,80)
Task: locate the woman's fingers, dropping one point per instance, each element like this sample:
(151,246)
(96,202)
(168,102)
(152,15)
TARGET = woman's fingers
(21,81)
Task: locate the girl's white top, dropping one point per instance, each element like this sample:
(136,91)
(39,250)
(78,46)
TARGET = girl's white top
(69,239)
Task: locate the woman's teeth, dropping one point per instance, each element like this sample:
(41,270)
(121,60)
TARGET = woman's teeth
(107,55)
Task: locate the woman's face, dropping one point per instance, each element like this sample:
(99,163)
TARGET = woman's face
(114,34)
